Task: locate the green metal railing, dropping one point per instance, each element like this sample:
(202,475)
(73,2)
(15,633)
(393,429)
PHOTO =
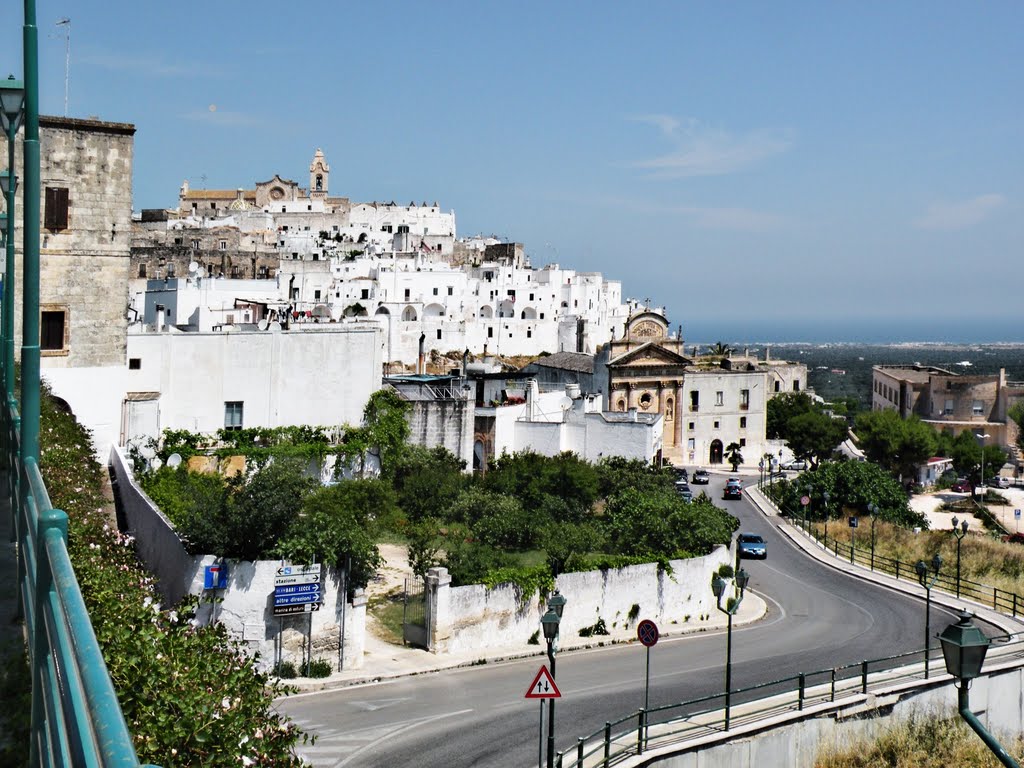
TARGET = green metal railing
(76,717)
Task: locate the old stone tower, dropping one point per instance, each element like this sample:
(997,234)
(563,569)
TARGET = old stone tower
(319,171)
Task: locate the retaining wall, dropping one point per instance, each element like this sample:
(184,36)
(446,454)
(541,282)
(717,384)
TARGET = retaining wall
(246,606)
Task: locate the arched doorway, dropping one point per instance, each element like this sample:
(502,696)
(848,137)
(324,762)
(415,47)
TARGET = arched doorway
(716,452)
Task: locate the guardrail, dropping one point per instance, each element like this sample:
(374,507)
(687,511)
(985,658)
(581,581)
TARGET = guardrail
(76,717)
(639,731)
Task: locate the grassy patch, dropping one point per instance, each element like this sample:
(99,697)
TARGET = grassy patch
(388,611)
(922,742)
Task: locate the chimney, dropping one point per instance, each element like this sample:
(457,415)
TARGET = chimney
(633,414)
(421,363)
(465,362)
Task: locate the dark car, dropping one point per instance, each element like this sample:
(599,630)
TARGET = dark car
(751,545)
(701,477)
(961,486)
(733,489)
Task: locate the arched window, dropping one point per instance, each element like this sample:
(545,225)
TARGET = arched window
(409,315)
(670,409)
(622,405)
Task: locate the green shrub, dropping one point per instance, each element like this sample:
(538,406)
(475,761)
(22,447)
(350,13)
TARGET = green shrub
(319,668)
(189,694)
(285,670)
(597,628)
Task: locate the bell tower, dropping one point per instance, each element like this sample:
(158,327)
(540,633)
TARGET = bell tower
(319,172)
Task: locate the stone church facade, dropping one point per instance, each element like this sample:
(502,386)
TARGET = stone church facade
(707,403)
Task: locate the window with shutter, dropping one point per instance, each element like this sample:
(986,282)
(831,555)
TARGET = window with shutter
(55,214)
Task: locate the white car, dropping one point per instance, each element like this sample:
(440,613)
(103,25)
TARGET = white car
(794,464)
(999,482)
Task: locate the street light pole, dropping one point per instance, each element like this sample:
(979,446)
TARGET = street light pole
(825,497)
(873,511)
(983,437)
(927,581)
(549,623)
(731,606)
(963,648)
(12,110)
(959,533)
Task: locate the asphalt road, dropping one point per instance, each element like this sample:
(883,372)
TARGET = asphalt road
(818,618)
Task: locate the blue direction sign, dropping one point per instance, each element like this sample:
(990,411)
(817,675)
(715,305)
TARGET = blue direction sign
(296,589)
(307,597)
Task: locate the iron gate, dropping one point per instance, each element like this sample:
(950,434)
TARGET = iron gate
(414,614)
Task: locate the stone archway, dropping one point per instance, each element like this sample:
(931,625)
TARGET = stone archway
(715,455)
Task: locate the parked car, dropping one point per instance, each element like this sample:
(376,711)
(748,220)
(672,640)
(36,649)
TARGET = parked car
(681,486)
(681,473)
(794,465)
(751,545)
(999,482)
(701,477)
(961,486)
(686,495)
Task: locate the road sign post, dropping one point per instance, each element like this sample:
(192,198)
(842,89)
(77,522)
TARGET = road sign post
(647,633)
(542,687)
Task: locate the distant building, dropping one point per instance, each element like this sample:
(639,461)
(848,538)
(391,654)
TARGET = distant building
(949,401)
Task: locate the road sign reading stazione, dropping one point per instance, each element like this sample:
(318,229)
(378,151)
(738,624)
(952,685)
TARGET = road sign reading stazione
(647,632)
(543,686)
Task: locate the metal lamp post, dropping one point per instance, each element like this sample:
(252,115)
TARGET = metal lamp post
(873,511)
(927,580)
(983,438)
(731,606)
(549,623)
(825,497)
(12,110)
(959,532)
(963,648)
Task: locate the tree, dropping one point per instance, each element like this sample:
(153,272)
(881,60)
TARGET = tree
(781,409)
(387,429)
(661,524)
(333,528)
(900,445)
(427,481)
(851,486)
(616,473)
(733,455)
(496,519)
(815,435)
(719,348)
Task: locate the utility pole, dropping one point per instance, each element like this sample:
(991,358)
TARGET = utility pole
(65,22)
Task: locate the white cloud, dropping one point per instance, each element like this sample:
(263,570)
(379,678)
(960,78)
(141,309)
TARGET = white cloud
(701,151)
(743,219)
(219,117)
(142,65)
(960,215)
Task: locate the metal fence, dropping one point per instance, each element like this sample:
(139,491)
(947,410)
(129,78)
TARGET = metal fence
(641,730)
(76,717)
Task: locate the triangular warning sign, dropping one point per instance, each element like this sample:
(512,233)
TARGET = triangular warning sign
(543,686)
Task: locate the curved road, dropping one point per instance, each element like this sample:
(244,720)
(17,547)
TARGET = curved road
(818,618)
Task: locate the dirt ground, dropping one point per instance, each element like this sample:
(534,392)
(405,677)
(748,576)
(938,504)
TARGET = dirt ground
(389,582)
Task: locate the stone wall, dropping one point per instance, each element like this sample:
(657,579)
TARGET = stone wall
(246,606)
(83,266)
(477,618)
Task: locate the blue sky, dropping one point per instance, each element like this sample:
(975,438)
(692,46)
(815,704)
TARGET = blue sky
(763,170)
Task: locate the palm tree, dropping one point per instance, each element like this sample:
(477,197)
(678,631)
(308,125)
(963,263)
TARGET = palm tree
(720,348)
(733,455)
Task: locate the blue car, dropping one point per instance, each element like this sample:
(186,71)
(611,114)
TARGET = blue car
(751,545)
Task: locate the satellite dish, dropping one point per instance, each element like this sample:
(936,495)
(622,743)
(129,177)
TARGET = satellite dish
(275,326)
(193,267)
(263,324)
(147,452)
(174,460)
(155,464)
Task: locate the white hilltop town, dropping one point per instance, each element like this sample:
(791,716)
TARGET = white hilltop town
(282,304)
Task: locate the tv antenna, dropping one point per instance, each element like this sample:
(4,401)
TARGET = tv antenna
(65,22)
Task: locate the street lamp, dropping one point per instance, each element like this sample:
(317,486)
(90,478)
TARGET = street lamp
(825,497)
(873,511)
(964,647)
(983,438)
(927,581)
(959,533)
(12,110)
(731,606)
(549,623)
